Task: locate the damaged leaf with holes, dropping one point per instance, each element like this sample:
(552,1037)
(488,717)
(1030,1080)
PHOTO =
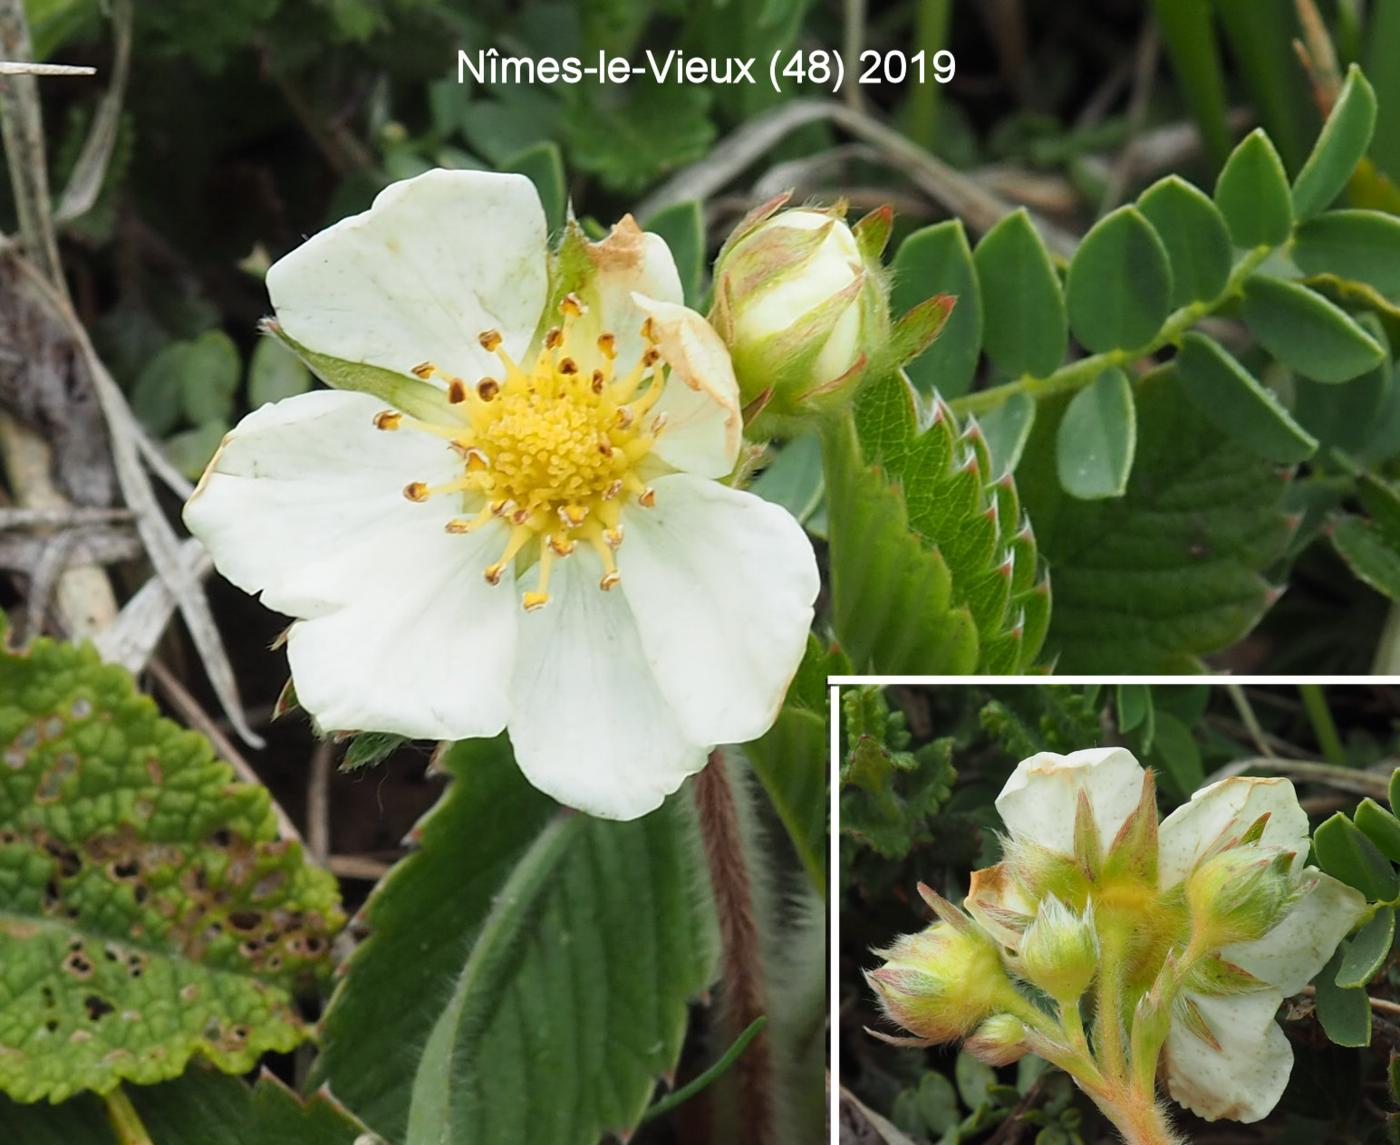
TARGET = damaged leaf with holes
(148,910)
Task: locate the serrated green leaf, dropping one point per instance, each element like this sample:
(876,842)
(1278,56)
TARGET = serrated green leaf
(202,1106)
(556,937)
(1170,571)
(274,373)
(1097,437)
(938,260)
(369,749)
(682,225)
(1380,826)
(1229,397)
(1345,1014)
(148,910)
(543,164)
(1306,332)
(628,141)
(1345,853)
(1194,233)
(1360,245)
(1024,324)
(1007,428)
(1366,952)
(1368,553)
(1339,148)
(1252,193)
(1119,286)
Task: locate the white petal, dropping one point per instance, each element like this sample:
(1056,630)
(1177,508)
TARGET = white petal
(588,724)
(722,584)
(1229,808)
(993,890)
(299,497)
(704,427)
(629,261)
(434,262)
(1297,948)
(425,649)
(1039,800)
(1244,1079)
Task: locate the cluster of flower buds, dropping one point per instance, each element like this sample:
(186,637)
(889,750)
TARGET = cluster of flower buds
(802,302)
(1180,939)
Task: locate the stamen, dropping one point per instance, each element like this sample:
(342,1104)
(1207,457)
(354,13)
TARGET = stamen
(519,537)
(465,525)
(388,419)
(424,370)
(533,601)
(572,306)
(457,391)
(568,366)
(490,340)
(607,343)
(651,355)
(487,389)
(598,381)
(613,536)
(612,490)
(573,515)
(649,329)
(658,423)
(624,417)
(417,491)
(648,498)
(553,337)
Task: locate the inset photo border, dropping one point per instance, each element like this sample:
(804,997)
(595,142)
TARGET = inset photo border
(1070,909)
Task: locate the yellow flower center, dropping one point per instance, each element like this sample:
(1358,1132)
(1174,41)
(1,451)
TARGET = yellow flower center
(551,448)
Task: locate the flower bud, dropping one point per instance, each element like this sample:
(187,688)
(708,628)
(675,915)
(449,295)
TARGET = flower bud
(1060,950)
(998,1041)
(804,310)
(941,982)
(1240,894)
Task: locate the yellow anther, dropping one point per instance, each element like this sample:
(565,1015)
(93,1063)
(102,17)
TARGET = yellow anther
(476,461)
(624,417)
(598,381)
(467,525)
(493,572)
(424,370)
(388,419)
(613,536)
(658,423)
(490,340)
(573,515)
(487,389)
(610,580)
(572,306)
(607,343)
(612,490)
(416,491)
(605,446)
(534,601)
(651,355)
(562,546)
(648,498)
(553,337)
(649,329)
(456,391)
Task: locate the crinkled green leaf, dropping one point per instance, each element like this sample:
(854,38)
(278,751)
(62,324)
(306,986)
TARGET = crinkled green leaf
(1340,146)
(938,260)
(628,139)
(1024,325)
(1252,193)
(1194,233)
(527,970)
(1119,286)
(1230,398)
(1306,332)
(1170,571)
(148,910)
(1360,245)
(1097,437)
(1345,853)
(1367,950)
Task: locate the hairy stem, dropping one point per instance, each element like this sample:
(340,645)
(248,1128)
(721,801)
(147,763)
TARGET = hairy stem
(741,957)
(1080,373)
(1138,1116)
(1108,1017)
(126,1122)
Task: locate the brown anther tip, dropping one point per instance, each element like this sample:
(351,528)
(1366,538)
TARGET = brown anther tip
(610,580)
(424,370)
(387,419)
(476,461)
(648,497)
(416,491)
(607,343)
(613,537)
(598,381)
(612,490)
(489,339)
(649,329)
(520,516)
(457,525)
(534,601)
(624,416)
(572,305)
(562,546)
(553,337)
(493,573)
(456,391)
(651,357)
(658,423)
(568,366)
(487,388)
(498,508)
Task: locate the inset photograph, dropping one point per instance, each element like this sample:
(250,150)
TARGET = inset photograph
(1120,912)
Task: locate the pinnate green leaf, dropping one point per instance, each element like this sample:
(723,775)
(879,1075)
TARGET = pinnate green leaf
(1097,437)
(1023,306)
(1194,233)
(1339,148)
(1119,287)
(938,260)
(1306,332)
(1363,246)
(1170,571)
(540,942)
(1345,853)
(148,910)
(1252,193)
(1231,398)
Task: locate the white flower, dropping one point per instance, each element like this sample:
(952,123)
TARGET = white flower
(1225,1056)
(569,421)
